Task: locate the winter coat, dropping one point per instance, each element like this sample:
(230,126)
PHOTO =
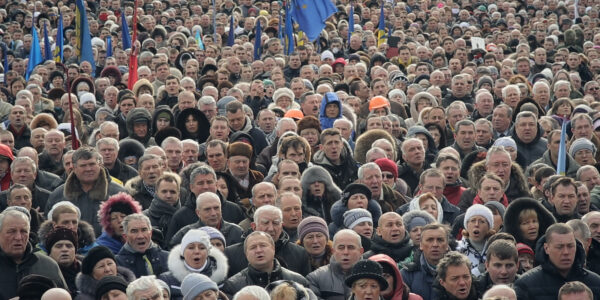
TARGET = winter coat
(442,294)
(110,242)
(343,174)
(160,213)
(410,176)
(337,215)
(216,269)
(397,251)
(401,291)
(477,259)
(571,165)
(137,114)
(560,218)
(122,171)
(450,211)
(533,150)
(252,276)
(86,239)
(593,257)
(88,202)
(391,199)
(544,281)
(419,276)
(259,138)
(47,180)
(70,275)
(446,101)
(136,189)
(48,164)
(511,219)
(328,282)
(86,284)
(22,137)
(231,232)
(159,110)
(245,194)
(484,282)
(332,193)
(31,263)
(454,191)
(290,255)
(203,125)
(135,261)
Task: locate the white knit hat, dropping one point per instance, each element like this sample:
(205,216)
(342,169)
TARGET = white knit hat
(479,210)
(195,236)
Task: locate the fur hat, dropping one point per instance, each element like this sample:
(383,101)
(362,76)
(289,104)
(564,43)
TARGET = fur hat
(43,119)
(240,149)
(83,79)
(364,142)
(309,122)
(283,92)
(130,147)
(142,83)
(59,234)
(93,256)
(166,132)
(111,71)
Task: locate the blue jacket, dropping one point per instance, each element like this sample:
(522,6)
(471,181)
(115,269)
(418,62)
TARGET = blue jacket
(326,122)
(419,277)
(110,242)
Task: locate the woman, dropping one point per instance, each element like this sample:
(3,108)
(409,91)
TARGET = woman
(162,118)
(195,255)
(199,286)
(319,192)
(284,98)
(427,203)
(193,124)
(98,263)
(313,235)
(527,220)
(478,224)
(355,195)
(111,215)
(397,289)
(366,281)
(417,104)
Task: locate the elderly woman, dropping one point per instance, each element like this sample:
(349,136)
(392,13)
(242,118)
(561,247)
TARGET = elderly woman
(195,255)
(313,235)
(97,264)
(583,151)
(355,195)
(366,281)
(284,98)
(417,104)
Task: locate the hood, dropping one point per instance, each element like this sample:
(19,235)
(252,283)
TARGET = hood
(384,259)
(511,216)
(321,159)
(130,147)
(430,141)
(414,206)
(542,258)
(365,140)
(158,110)
(318,173)
(179,270)
(6,152)
(329,97)
(203,125)
(118,199)
(137,114)
(142,83)
(85,234)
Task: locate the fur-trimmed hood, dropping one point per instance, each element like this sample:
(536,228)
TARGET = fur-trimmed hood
(517,177)
(85,233)
(318,173)
(511,217)
(99,192)
(142,83)
(83,79)
(179,271)
(87,285)
(366,140)
(41,119)
(203,125)
(106,207)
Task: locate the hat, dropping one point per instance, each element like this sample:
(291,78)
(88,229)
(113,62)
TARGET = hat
(312,224)
(581,144)
(240,149)
(491,47)
(479,210)
(195,236)
(95,255)
(497,206)
(378,102)
(125,94)
(582,108)
(367,269)
(354,56)
(109,283)
(387,165)
(506,142)
(87,97)
(597,123)
(356,216)
(327,54)
(309,122)
(416,218)
(194,284)
(294,114)
(164,285)
(339,61)
(59,234)
(33,286)
(214,233)
(524,249)
(283,92)
(355,188)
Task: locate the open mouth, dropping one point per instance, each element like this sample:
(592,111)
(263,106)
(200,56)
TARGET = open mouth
(463,291)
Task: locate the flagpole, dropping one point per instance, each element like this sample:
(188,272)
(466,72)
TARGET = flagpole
(74,140)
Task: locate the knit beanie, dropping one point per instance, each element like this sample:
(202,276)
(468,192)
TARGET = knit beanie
(214,233)
(497,206)
(309,122)
(581,144)
(506,142)
(59,234)
(479,210)
(109,283)
(194,284)
(239,149)
(33,286)
(87,97)
(355,188)
(195,236)
(312,224)
(416,218)
(95,255)
(356,216)
(524,249)
(388,165)
(283,92)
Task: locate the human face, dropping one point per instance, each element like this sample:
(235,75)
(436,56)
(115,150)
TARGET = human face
(590,178)
(500,120)
(168,192)
(173,152)
(266,121)
(490,190)
(209,212)
(14,237)
(502,271)
(270,223)
(347,251)
(332,146)
(195,255)
(451,171)
(530,228)
(237,120)
(415,153)
(22,173)
(109,153)
(219,130)
(434,245)
(87,170)
(317,189)
(433,185)
(54,143)
(310,106)
(311,135)
(368,289)
(332,110)
(259,252)
(150,171)
(373,180)
(263,194)
(139,235)
(458,281)
(430,206)
(17,117)
(500,165)
(357,201)
(104,267)
(63,253)
(314,243)
(20,197)
(415,235)
(116,222)
(584,157)
(561,249)
(483,134)
(564,199)
(583,199)
(478,228)
(391,229)
(291,209)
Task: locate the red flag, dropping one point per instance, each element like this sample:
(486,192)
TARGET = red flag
(133,63)
(74,141)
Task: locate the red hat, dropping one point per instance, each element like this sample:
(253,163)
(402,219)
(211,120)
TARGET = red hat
(388,165)
(340,60)
(524,249)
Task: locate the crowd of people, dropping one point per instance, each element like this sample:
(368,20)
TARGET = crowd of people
(415,150)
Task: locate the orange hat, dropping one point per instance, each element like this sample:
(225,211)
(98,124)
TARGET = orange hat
(378,102)
(294,114)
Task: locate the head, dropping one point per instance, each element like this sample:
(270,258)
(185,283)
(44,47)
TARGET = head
(347,248)
(454,275)
(138,232)
(208,209)
(560,246)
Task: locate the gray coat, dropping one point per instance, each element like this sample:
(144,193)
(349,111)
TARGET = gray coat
(533,150)
(328,282)
(572,166)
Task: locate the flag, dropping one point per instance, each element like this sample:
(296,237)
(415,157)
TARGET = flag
(125,32)
(199,40)
(350,22)
(74,139)
(5,60)
(47,50)
(381,27)
(214,21)
(311,15)
(561,165)
(231,37)
(58,48)
(279,31)
(109,46)
(289,32)
(133,63)
(84,39)
(35,53)
(257,41)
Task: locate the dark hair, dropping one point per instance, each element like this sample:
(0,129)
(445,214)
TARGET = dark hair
(502,249)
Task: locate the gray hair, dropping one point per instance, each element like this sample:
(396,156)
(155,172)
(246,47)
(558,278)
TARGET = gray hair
(267,208)
(539,84)
(287,194)
(202,170)
(343,120)
(560,83)
(581,227)
(206,100)
(482,93)
(171,140)
(585,169)
(107,141)
(486,122)
(496,150)
(402,147)
(142,284)
(25,93)
(23,159)
(253,291)
(187,79)
(367,166)
(510,86)
(190,141)
(206,196)
(284,120)
(353,233)
(13,213)
(375,150)
(271,185)
(496,291)
(456,105)
(135,217)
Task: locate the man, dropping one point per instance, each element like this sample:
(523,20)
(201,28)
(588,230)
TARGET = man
(37,138)
(18,126)
(266,121)
(291,210)
(391,239)
(459,91)
(419,275)
(550,156)
(145,287)
(262,267)
(454,279)
(309,104)
(264,193)
(143,187)
(238,165)
(20,195)
(500,290)
(216,155)
(370,175)
(140,254)
(109,149)
(449,165)
(238,121)
(582,127)
(413,154)
(268,219)
(327,282)
(336,158)
(283,125)
(65,214)
(575,290)
(61,243)
(51,158)
(592,219)
(23,171)
(528,136)
(45,179)
(166,201)
(484,133)
(464,138)
(17,257)
(541,94)
(501,120)
(87,187)
(484,105)
(173,149)
(563,200)
(561,260)
(501,265)
(190,152)
(209,212)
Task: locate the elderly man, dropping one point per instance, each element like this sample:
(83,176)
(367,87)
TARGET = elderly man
(37,138)
(592,219)
(87,187)
(209,212)
(370,175)
(190,151)
(23,171)
(143,187)
(264,193)
(528,136)
(561,260)
(238,164)
(291,209)
(327,282)
(269,219)
(18,126)
(391,239)
(20,195)
(145,287)
(140,254)
(413,154)
(51,158)
(17,258)
(173,149)
(109,149)
(44,179)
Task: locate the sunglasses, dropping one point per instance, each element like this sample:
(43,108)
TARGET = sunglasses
(388,176)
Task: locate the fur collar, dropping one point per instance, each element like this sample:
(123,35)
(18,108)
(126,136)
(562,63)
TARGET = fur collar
(98,193)
(219,273)
(85,233)
(86,284)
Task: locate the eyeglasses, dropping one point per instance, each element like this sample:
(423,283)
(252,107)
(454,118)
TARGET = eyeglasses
(388,176)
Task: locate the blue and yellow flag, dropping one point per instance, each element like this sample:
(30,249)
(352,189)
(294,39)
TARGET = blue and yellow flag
(350,22)
(289,32)
(35,53)
(199,40)
(59,43)
(258,41)
(311,15)
(381,34)
(47,49)
(83,48)
(561,165)
(125,33)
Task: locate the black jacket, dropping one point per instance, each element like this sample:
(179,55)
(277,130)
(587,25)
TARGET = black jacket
(160,213)
(232,232)
(46,163)
(511,218)
(135,261)
(252,276)
(593,257)
(39,198)
(122,171)
(47,180)
(136,189)
(398,251)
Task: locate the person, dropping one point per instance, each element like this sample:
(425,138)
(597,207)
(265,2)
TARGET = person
(355,195)
(285,289)
(20,195)
(502,291)
(111,287)
(97,264)
(313,236)
(478,224)
(592,220)
(413,154)
(414,222)
(239,155)
(527,219)
(319,192)
(239,122)
(370,175)
(62,246)
(501,265)
(140,254)
(145,287)
(562,202)
(111,215)
(366,280)
(336,157)
(66,214)
(428,204)
(391,239)
(291,207)
(143,187)
(527,133)
(109,149)
(196,286)
(166,201)
(263,193)
(562,259)
(195,255)
(263,267)
(454,279)
(575,290)
(397,289)
(56,294)
(550,156)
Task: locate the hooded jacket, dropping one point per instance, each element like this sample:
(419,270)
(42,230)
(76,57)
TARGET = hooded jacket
(328,98)
(86,284)
(135,115)
(202,133)
(85,234)
(533,150)
(397,251)
(159,110)
(6,153)
(343,174)
(511,218)
(400,291)
(419,276)
(216,269)
(332,192)
(231,232)
(337,215)
(450,212)
(544,281)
